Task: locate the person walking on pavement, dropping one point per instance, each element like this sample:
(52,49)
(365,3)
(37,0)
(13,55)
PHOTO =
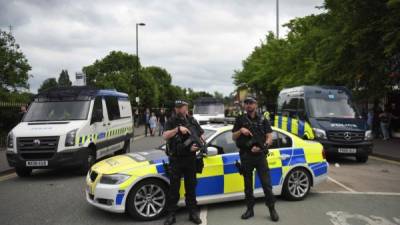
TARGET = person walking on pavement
(182,161)
(146,121)
(161,122)
(253,156)
(385,119)
(153,124)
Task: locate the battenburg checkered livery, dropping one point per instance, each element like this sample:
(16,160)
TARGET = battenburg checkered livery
(137,182)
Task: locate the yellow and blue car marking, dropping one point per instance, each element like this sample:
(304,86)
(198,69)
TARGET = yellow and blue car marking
(219,177)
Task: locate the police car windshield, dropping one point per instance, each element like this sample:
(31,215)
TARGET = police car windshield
(332,108)
(57,111)
(208,109)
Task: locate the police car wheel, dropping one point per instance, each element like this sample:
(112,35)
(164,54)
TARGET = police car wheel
(23,171)
(147,200)
(297,185)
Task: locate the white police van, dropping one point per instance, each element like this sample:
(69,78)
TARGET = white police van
(71,126)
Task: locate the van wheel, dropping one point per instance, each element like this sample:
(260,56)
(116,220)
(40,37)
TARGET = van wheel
(147,200)
(90,160)
(297,185)
(125,149)
(362,158)
(23,171)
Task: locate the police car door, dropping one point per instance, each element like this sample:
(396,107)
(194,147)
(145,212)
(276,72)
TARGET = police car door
(274,159)
(98,125)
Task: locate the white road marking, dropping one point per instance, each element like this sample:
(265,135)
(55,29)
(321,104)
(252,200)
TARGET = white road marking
(203,215)
(358,193)
(340,184)
(8,176)
(343,218)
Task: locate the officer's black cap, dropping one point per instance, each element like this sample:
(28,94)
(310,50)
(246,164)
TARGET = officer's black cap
(180,102)
(250,99)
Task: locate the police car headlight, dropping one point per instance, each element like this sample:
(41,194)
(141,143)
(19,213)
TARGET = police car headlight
(368,135)
(70,138)
(114,178)
(10,140)
(319,133)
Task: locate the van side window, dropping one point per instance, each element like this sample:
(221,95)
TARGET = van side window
(97,113)
(112,107)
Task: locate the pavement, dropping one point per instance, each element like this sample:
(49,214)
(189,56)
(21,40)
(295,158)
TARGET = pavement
(387,149)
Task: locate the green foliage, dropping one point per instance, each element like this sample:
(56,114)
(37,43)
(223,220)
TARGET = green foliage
(63,79)
(14,66)
(47,84)
(118,71)
(349,44)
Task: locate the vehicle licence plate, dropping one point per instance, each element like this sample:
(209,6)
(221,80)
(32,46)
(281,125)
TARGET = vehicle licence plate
(37,163)
(347,150)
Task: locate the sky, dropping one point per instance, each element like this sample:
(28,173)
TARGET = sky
(200,43)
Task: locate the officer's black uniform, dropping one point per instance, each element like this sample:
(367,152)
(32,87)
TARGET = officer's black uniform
(251,161)
(181,163)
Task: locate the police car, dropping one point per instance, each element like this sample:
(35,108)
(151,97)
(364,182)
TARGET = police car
(136,183)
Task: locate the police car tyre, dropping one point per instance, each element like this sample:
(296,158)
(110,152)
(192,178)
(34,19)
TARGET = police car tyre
(362,158)
(147,200)
(297,185)
(90,160)
(23,171)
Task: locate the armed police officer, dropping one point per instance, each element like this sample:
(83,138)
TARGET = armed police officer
(182,160)
(253,134)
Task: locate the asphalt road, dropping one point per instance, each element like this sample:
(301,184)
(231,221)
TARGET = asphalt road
(354,194)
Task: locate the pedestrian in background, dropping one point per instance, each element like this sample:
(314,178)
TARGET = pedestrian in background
(146,121)
(162,118)
(385,119)
(22,112)
(153,124)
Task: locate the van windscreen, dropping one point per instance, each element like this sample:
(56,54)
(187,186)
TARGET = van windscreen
(332,108)
(57,111)
(212,109)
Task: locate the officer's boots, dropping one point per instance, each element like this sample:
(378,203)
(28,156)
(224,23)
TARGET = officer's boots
(170,219)
(194,217)
(249,213)
(272,212)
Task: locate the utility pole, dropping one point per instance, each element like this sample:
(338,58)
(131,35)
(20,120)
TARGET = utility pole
(277,19)
(137,62)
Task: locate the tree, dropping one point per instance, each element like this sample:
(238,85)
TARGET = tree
(47,84)
(63,79)
(353,43)
(14,67)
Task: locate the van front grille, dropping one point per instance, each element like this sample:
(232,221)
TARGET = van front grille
(37,147)
(346,136)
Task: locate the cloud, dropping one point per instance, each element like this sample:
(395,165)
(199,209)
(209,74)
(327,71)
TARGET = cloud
(200,43)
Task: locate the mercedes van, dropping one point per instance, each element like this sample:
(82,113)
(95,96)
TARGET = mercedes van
(71,126)
(328,115)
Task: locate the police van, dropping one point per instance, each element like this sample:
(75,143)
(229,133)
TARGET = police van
(326,114)
(70,127)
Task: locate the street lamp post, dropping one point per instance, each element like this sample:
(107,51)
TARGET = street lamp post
(137,61)
(277,19)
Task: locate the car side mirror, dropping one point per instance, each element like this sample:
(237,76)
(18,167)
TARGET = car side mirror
(97,116)
(212,151)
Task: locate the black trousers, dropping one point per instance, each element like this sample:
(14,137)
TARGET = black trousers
(259,163)
(186,167)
